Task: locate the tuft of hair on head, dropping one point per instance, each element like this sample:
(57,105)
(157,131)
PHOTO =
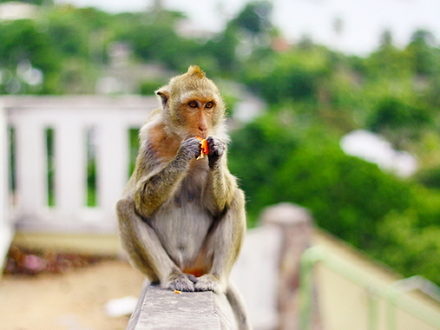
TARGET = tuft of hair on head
(194,70)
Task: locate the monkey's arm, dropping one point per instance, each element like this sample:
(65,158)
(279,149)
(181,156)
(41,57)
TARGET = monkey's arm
(221,184)
(220,188)
(156,187)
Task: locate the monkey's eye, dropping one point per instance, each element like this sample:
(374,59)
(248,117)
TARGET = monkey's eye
(209,105)
(193,104)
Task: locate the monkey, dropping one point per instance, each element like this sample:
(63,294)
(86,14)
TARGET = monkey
(182,220)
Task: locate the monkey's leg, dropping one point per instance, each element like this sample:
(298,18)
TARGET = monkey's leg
(223,245)
(146,251)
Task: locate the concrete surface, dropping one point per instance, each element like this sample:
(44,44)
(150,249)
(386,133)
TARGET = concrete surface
(163,309)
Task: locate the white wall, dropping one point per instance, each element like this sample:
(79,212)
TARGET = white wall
(5,227)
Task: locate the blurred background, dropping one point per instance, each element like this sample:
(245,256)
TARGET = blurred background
(333,105)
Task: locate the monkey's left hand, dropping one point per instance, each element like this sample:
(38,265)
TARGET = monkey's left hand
(217,148)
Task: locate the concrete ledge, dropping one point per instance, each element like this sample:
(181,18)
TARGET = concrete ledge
(99,244)
(163,309)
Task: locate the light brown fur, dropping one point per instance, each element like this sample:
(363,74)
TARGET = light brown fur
(164,146)
(182,220)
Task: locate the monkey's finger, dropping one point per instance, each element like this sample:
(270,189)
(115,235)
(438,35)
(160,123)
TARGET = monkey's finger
(211,145)
(216,146)
(191,147)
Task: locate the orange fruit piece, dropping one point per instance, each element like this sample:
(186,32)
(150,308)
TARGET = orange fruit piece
(204,148)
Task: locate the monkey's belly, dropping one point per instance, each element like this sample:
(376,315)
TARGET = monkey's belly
(182,231)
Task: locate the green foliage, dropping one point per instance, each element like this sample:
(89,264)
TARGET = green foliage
(230,102)
(91,198)
(310,169)
(423,54)
(66,44)
(294,76)
(430,177)
(24,41)
(246,34)
(148,87)
(398,120)
(50,148)
(407,247)
(388,62)
(153,41)
(345,194)
(153,37)
(223,48)
(259,174)
(254,18)
(133,137)
(65,29)
(349,197)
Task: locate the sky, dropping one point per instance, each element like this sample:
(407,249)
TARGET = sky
(363,20)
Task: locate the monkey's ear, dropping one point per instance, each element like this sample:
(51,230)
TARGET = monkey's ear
(164,95)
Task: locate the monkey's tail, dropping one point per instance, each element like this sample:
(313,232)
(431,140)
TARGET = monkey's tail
(238,307)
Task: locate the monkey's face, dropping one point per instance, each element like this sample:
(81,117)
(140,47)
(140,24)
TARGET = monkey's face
(193,104)
(198,113)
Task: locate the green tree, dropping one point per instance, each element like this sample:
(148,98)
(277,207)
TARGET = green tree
(223,48)
(23,40)
(388,62)
(294,75)
(398,120)
(408,248)
(153,37)
(65,30)
(393,220)
(422,53)
(254,18)
(276,139)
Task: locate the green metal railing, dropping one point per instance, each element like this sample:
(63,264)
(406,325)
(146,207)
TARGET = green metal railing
(394,298)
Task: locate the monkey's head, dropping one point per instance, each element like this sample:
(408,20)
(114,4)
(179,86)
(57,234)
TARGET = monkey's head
(192,104)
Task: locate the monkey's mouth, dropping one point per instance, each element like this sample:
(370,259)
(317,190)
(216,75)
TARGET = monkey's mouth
(197,134)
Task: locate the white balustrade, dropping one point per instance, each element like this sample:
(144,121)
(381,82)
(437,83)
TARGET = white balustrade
(110,118)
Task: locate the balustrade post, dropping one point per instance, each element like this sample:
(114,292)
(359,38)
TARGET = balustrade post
(5,224)
(112,162)
(70,167)
(31,167)
(296,225)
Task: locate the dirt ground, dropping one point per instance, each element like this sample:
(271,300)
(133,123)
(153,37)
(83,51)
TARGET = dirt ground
(74,300)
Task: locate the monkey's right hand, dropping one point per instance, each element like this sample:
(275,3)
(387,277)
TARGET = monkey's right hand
(189,148)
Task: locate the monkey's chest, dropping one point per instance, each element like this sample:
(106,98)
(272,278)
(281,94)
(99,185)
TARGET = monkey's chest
(182,225)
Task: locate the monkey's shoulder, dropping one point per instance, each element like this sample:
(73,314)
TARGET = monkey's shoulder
(157,140)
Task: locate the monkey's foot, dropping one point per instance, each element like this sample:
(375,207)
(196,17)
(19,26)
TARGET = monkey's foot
(208,282)
(180,282)
(192,278)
